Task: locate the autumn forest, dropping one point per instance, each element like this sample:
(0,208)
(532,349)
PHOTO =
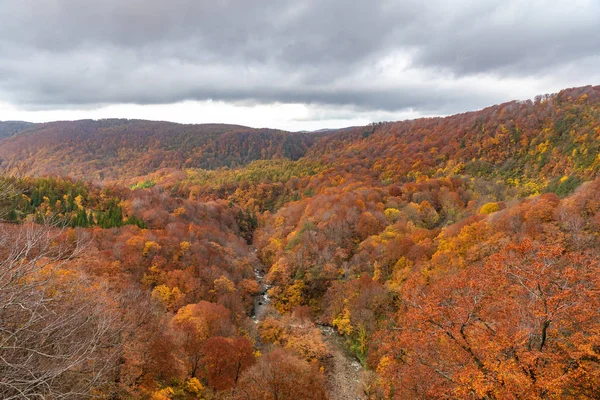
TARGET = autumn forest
(435,258)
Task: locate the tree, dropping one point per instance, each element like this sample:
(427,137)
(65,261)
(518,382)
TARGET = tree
(225,359)
(523,325)
(195,323)
(279,375)
(58,331)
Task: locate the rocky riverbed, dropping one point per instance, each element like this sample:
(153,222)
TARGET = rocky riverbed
(343,371)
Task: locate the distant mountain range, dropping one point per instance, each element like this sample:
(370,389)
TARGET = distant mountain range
(542,139)
(454,257)
(108,149)
(9,128)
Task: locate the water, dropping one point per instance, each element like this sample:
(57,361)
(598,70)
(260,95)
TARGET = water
(262,300)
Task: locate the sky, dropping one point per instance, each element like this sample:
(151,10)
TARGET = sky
(294,65)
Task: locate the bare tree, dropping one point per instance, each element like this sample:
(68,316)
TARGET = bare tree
(57,331)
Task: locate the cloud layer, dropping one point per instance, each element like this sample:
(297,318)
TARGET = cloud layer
(382,56)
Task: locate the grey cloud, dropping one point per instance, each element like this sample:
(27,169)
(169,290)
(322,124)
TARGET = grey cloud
(513,37)
(82,52)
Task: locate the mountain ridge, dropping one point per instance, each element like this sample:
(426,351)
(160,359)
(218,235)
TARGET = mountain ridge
(439,238)
(10,128)
(89,149)
(520,139)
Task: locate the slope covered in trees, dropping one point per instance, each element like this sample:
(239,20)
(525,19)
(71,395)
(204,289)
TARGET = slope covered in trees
(110,149)
(524,143)
(455,257)
(550,144)
(10,128)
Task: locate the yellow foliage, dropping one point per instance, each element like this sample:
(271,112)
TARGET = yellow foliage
(223,285)
(377,272)
(184,246)
(136,241)
(294,294)
(153,276)
(163,394)
(289,298)
(186,316)
(79,202)
(307,345)
(361,205)
(279,222)
(392,214)
(384,369)
(543,147)
(363,339)
(167,296)
(428,214)
(532,187)
(179,211)
(489,208)
(150,246)
(193,385)
(342,322)
(400,272)
(272,331)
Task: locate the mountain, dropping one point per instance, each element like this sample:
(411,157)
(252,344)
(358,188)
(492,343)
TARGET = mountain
(10,128)
(534,143)
(113,148)
(549,144)
(454,257)
(520,142)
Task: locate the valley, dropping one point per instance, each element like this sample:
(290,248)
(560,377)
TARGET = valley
(454,257)
(343,370)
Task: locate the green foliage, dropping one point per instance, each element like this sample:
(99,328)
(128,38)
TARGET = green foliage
(111,216)
(383,231)
(279,170)
(147,184)
(65,201)
(563,186)
(247,223)
(306,226)
(479,168)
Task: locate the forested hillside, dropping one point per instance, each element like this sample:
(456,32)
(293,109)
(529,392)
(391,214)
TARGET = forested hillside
(454,257)
(9,128)
(111,149)
(525,143)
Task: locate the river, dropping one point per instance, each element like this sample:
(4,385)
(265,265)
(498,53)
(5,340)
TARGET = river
(343,371)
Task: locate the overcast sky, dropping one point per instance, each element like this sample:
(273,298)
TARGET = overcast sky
(302,64)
